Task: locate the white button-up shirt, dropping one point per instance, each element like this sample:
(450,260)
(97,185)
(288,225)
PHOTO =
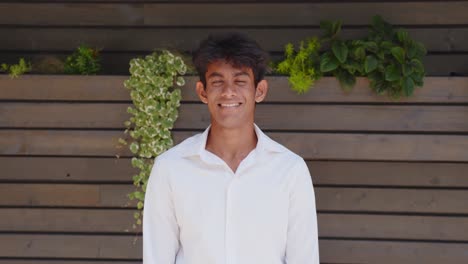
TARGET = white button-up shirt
(198,211)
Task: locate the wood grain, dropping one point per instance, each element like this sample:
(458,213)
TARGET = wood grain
(111,89)
(230,14)
(337,146)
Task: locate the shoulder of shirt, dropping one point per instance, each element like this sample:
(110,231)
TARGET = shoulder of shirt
(178,151)
(283,150)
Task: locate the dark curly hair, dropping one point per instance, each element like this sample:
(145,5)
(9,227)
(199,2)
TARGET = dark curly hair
(236,49)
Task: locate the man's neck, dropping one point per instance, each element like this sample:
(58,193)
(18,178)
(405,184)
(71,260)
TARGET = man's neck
(231,145)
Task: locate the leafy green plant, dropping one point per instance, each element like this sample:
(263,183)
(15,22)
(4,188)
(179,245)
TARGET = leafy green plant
(84,60)
(343,58)
(389,58)
(301,65)
(394,60)
(155,100)
(15,70)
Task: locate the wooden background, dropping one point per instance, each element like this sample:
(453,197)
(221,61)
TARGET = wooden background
(391,177)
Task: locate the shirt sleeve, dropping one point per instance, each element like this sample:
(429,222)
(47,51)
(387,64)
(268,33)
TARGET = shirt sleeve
(302,238)
(160,228)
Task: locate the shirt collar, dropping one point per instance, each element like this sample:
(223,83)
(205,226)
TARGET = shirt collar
(264,143)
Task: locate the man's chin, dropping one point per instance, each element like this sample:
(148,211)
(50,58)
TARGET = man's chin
(231,123)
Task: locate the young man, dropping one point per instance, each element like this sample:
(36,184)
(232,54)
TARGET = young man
(230,195)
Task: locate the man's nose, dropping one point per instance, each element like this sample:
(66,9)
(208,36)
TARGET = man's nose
(229,89)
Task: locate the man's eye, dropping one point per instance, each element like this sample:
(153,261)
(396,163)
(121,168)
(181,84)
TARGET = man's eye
(241,82)
(217,82)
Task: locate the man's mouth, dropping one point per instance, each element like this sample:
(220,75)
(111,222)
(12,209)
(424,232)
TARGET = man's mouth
(230,105)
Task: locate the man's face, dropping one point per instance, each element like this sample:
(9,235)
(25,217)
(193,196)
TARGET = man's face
(230,94)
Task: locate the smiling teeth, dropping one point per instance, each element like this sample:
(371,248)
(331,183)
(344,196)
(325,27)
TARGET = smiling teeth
(229,105)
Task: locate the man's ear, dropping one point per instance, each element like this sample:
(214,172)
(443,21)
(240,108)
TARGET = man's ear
(200,88)
(261,91)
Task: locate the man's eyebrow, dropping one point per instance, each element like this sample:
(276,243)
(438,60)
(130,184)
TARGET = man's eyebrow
(214,74)
(241,73)
(217,74)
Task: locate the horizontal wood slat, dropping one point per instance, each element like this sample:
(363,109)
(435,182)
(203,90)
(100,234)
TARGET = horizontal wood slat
(72,261)
(308,145)
(389,173)
(334,251)
(376,147)
(68,220)
(186,39)
(392,200)
(193,1)
(355,173)
(268,117)
(63,143)
(65,169)
(67,195)
(117,63)
(327,198)
(393,227)
(229,14)
(330,225)
(111,88)
(71,246)
(390,252)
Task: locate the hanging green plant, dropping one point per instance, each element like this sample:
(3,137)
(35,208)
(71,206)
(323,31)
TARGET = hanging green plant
(155,100)
(301,65)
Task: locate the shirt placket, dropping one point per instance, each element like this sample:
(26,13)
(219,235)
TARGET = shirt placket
(229,231)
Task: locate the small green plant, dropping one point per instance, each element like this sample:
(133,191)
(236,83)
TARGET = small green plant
(301,65)
(15,70)
(394,61)
(344,58)
(84,60)
(155,100)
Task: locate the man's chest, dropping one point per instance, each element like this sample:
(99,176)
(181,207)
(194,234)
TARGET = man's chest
(209,201)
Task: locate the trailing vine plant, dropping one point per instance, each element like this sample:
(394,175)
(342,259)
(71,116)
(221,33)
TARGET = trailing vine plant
(152,84)
(389,58)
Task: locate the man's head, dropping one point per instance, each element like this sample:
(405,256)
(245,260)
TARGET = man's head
(234,48)
(231,69)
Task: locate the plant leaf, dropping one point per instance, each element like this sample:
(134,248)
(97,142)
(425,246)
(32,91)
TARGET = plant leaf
(399,54)
(336,28)
(359,52)
(402,35)
(408,86)
(346,79)
(407,69)
(328,63)
(370,64)
(392,73)
(340,50)
(372,46)
(417,65)
(327,26)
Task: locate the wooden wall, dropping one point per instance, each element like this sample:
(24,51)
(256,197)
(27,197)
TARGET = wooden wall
(125,29)
(391,177)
